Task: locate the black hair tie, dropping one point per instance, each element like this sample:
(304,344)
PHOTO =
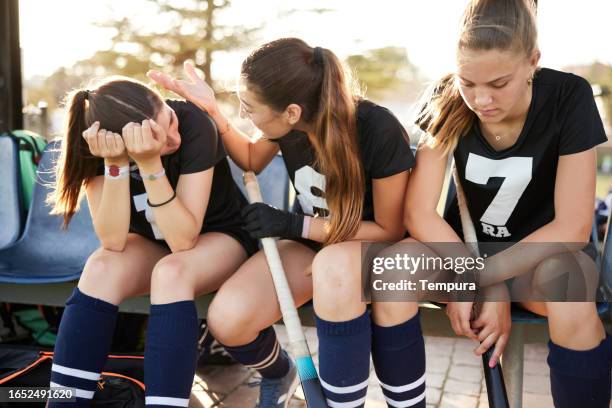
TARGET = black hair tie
(87,94)
(318,55)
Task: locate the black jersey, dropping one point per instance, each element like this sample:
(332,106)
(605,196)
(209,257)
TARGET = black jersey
(510,193)
(384,148)
(201,148)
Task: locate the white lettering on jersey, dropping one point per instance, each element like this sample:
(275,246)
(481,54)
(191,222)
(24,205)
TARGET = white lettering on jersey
(516,172)
(140,202)
(495,231)
(306,178)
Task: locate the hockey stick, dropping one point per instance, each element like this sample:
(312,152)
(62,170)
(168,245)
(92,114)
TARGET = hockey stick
(306,369)
(494,377)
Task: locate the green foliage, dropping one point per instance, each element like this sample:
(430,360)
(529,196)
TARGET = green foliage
(187,29)
(383,69)
(177,30)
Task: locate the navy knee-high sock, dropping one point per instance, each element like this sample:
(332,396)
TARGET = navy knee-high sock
(171,351)
(581,378)
(82,346)
(398,353)
(263,354)
(344,360)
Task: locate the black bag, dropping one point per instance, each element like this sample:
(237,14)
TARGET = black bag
(121,384)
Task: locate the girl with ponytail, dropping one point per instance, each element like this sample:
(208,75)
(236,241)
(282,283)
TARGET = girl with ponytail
(523,141)
(167,214)
(348,159)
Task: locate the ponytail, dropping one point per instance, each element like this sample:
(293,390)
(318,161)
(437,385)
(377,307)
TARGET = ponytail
(75,165)
(337,150)
(289,71)
(445,116)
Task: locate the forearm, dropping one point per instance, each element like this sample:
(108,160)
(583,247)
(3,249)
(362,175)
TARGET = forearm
(552,239)
(368,231)
(248,153)
(176,223)
(112,218)
(237,143)
(432,230)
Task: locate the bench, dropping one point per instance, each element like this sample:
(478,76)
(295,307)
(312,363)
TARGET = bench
(43,265)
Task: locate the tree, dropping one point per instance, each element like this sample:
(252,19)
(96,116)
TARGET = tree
(383,69)
(187,29)
(599,74)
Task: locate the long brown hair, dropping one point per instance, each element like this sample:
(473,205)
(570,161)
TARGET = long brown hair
(114,103)
(486,25)
(289,71)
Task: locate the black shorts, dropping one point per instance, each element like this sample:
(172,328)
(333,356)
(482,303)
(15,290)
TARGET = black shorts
(239,234)
(242,236)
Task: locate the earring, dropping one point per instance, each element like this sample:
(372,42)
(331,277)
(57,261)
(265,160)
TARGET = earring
(530,80)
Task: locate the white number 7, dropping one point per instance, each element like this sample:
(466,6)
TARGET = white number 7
(516,172)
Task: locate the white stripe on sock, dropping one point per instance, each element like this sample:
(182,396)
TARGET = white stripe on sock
(79,392)
(173,402)
(73,372)
(350,404)
(268,361)
(345,390)
(403,388)
(405,403)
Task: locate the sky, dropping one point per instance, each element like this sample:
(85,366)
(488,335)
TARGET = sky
(58,33)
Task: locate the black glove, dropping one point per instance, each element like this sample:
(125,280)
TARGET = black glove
(262,221)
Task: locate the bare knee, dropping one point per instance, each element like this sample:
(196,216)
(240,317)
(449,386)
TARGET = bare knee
(549,266)
(575,325)
(103,277)
(171,281)
(389,314)
(336,273)
(564,277)
(230,319)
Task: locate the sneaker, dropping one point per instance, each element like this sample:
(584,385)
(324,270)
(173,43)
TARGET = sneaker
(276,392)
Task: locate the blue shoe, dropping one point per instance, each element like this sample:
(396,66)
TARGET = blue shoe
(276,392)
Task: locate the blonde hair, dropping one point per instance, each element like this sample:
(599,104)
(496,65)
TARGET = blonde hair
(507,25)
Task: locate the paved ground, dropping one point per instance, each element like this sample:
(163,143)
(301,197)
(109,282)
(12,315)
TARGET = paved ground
(454,378)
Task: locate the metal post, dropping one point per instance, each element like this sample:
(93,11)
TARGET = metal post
(11,102)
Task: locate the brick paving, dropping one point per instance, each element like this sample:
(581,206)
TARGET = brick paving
(454,378)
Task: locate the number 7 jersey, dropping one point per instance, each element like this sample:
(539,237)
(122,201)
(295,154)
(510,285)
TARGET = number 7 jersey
(510,193)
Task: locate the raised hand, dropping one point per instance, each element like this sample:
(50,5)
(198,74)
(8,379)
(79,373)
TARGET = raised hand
(104,144)
(194,89)
(144,141)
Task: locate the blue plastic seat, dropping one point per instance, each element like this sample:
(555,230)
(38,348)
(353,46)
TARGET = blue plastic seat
(273,182)
(11,208)
(45,253)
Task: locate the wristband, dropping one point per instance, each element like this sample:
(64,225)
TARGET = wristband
(153,176)
(164,203)
(114,172)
